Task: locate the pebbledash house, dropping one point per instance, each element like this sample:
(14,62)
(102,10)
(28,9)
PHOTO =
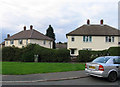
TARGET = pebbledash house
(25,37)
(92,37)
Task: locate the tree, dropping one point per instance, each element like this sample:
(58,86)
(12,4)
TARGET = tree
(50,33)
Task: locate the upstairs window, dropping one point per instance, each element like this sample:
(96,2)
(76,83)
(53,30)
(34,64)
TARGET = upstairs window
(20,41)
(109,39)
(44,42)
(27,41)
(7,42)
(72,39)
(12,42)
(87,38)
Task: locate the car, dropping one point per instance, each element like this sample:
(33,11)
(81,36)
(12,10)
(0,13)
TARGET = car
(105,67)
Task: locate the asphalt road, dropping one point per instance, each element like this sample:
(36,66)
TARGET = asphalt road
(81,81)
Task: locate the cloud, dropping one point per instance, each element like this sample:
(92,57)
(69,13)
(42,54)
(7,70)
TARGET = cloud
(63,15)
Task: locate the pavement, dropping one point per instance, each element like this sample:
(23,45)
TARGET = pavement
(45,77)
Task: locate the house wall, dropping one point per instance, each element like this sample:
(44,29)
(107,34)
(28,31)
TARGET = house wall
(98,43)
(40,42)
(48,44)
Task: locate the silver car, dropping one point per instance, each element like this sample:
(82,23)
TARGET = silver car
(106,67)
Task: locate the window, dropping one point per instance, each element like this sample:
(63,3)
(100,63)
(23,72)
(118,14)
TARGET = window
(101,60)
(87,38)
(12,42)
(72,51)
(7,42)
(109,39)
(44,42)
(87,49)
(27,41)
(72,39)
(116,61)
(20,41)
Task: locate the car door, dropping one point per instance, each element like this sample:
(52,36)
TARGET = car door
(117,64)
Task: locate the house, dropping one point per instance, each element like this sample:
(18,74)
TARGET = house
(92,37)
(61,46)
(25,37)
(2,44)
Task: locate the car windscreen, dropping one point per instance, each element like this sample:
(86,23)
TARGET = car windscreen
(101,60)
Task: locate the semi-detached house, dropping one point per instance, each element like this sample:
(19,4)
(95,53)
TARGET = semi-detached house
(92,37)
(25,37)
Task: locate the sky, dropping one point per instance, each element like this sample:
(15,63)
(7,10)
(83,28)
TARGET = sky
(63,15)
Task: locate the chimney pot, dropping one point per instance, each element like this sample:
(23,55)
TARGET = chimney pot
(24,28)
(8,35)
(88,21)
(31,27)
(101,21)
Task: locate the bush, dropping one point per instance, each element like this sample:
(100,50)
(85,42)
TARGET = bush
(11,54)
(84,56)
(114,51)
(26,54)
(52,55)
(87,55)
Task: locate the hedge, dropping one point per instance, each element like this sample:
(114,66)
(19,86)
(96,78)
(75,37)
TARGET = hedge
(114,51)
(87,55)
(26,54)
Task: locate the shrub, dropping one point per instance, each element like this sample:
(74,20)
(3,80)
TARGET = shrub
(114,51)
(52,55)
(84,56)
(26,54)
(11,54)
(87,55)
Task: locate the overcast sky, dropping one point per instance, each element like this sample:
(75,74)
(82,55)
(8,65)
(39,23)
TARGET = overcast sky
(63,15)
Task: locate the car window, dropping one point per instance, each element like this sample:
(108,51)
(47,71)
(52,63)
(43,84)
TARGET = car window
(101,60)
(116,61)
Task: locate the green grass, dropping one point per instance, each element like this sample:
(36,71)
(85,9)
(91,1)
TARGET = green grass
(21,68)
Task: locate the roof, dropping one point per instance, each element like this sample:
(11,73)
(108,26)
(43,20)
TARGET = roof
(29,34)
(95,30)
(62,45)
(3,43)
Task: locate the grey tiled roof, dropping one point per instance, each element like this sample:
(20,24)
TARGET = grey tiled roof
(95,30)
(29,34)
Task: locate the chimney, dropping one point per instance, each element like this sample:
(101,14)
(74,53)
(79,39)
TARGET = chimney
(24,28)
(88,21)
(8,35)
(31,27)
(101,21)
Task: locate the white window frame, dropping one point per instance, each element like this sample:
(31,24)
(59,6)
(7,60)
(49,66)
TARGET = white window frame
(109,39)
(19,42)
(44,42)
(27,41)
(11,42)
(7,42)
(87,38)
(87,48)
(72,38)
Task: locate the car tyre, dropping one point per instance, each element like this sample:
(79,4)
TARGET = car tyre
(112,77)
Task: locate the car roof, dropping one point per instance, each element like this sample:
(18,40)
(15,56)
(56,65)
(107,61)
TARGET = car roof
(111,56)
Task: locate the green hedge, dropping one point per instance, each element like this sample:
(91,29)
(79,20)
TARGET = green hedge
(26,54)
(86,56)
(114,51)
(11,54)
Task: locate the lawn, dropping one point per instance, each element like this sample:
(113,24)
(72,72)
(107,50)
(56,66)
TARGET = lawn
(21,68)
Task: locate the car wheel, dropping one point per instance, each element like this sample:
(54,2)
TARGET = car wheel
(112,77)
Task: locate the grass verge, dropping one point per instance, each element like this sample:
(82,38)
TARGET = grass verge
(21,68)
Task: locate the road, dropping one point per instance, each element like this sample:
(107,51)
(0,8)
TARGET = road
(81,81)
